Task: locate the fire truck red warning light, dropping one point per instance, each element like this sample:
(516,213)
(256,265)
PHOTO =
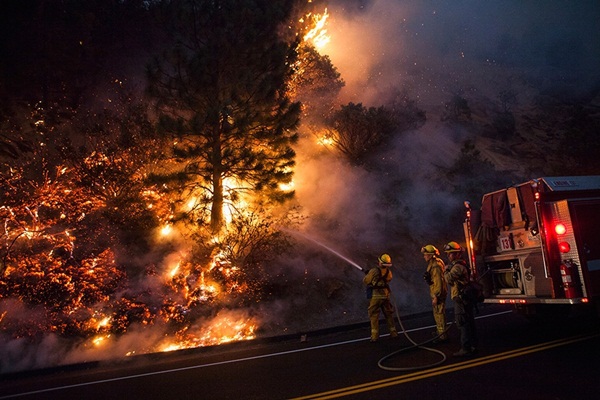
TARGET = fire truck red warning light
(560,229)
(564,247)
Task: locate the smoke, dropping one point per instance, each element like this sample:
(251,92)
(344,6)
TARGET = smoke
(52,350)
(433,50)
(396,203)
(435,47)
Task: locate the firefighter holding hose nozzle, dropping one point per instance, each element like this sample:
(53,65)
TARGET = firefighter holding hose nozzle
(438,291)
(378,291)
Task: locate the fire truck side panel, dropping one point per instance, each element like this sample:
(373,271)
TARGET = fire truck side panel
(536,283)
(538,242)
(586,217)
(558,213)
(518,274)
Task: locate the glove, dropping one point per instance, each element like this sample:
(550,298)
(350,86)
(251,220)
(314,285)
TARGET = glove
(427,278)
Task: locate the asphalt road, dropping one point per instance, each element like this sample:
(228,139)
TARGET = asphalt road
(518,359)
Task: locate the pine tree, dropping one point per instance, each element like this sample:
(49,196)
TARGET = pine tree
(221,95)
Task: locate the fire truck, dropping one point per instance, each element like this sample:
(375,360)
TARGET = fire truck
(537,244)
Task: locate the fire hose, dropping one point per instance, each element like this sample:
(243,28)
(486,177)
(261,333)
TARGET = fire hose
(415,345)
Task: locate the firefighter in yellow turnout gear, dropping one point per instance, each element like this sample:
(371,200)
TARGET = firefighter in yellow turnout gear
(457,276)
(378,279)
(438,290)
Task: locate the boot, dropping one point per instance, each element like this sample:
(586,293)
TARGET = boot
(464,353)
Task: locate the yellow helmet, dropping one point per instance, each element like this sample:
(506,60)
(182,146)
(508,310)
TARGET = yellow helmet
(452,247)
(430,249)
(385,259)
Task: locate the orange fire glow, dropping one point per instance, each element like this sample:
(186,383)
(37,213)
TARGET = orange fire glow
(39,267)
(325,140)
(318,34)
(60,258)
(218,331)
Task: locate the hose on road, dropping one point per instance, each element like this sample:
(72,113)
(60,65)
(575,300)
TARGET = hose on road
(414,346)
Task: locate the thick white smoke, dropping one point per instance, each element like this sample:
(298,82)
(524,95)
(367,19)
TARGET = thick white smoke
(433,50)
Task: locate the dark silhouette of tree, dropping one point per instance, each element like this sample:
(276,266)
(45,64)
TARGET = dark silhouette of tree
(406,113)
(221,95)
(469,185)
(457,110)
(357,130)
(504,125)
(504,122)
(579,145)
(507,99)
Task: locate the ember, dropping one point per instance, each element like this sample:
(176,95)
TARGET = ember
(93,250)
(82,294)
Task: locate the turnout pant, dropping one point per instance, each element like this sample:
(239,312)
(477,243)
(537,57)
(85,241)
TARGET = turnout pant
(439,315)
(465,322)
(384,305)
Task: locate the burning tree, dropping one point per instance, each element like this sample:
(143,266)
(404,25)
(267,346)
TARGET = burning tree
(76,240)
(221,95)
(316,82)
(88,241)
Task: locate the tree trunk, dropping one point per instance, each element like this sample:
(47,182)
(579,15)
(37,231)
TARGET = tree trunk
(216,212)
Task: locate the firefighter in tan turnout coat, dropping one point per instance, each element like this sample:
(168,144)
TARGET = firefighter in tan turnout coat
(377,281)
(438,290)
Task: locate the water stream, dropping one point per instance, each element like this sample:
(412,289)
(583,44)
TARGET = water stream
(324,246)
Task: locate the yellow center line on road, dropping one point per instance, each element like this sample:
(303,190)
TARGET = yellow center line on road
(365,387)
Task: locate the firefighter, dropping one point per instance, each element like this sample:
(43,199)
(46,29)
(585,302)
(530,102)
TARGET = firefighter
(457,275)
(378,280)
(438,291)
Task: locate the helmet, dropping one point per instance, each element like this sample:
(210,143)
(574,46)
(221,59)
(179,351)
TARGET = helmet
(430,249)
(385,259)
(452,247)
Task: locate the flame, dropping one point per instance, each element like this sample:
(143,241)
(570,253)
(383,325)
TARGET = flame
(166,230)
(86,293)
(287,186)
(318,34)
(326,140)
(103,323)
(192,203)
(100,340)
(234,202)
(174,270)
(223,329)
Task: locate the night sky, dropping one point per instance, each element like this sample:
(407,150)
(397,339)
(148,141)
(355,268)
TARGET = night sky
(438,46)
